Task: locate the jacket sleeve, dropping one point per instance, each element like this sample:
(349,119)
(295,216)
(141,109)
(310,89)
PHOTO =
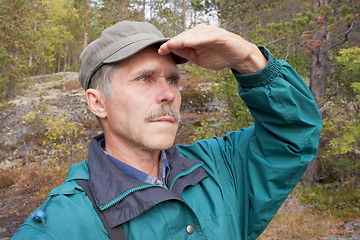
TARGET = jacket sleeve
(260,165)
(283,140)
(31,233)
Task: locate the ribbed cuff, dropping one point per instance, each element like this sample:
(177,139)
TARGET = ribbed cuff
(262,77)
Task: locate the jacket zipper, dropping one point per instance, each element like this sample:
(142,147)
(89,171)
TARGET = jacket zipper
(184,173)
(132,190)
(125,194)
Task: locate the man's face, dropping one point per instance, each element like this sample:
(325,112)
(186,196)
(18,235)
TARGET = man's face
(144,84)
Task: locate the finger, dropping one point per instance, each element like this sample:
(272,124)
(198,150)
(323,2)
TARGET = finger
(164,48)
(187,53)
(192,38)
(184,52)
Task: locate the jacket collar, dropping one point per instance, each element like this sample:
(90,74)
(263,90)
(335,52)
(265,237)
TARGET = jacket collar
(111,188)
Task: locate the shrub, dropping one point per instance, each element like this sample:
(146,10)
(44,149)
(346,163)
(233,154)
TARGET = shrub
(236,114)
(60,137)
(341,124)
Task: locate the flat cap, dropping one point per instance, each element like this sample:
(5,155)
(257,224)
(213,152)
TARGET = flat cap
(117,43)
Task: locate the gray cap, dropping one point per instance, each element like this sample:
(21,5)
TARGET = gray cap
(116,43)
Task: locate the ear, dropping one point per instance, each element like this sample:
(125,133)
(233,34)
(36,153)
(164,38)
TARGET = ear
(95,101)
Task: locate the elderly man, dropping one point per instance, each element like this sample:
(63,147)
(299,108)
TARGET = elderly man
(138,183)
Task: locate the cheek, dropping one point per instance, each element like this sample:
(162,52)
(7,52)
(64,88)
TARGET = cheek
(177,102)
(133,109)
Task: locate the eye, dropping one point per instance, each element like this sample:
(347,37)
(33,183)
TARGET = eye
(144,79)
(172,81)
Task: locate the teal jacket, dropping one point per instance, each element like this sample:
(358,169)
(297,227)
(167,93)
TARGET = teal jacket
(225,188)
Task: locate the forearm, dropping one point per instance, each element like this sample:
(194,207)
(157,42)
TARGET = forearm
(254,62)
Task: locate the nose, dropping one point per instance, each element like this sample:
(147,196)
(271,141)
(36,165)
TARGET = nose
(166,91)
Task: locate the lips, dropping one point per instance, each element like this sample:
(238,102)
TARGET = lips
(163,119)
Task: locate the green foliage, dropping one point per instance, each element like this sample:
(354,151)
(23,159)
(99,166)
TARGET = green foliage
(200,73)
(341,130)
(4,105)
(350,58)
(347,134)
(236,115)
(326,10)
(344,10)
(41,37)
(356,87)
(344,116)
(37,37)
(294,36)
(167,14)
(282,39)
(242,16)
(60,136)
(103,14)
(341,123)
(341,201)
(16,39)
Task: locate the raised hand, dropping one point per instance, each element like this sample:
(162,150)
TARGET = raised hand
(215,48)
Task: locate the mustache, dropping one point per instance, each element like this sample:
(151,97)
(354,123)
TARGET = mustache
(166,110)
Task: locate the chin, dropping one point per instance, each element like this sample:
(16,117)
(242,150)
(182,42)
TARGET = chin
(162,140)
(161,143)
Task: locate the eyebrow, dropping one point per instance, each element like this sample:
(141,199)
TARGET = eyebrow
(143,73)
(173,75)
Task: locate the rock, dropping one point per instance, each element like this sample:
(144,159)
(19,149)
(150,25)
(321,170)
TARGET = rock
(53,95)
(343,238)
(5,165)
(196,101)
(60,94)
(3,234)
(352,226)
(351,231)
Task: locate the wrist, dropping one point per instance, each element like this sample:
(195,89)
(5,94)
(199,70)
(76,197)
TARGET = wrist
(255,61)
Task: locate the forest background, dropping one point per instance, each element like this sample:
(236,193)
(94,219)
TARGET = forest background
(319,38)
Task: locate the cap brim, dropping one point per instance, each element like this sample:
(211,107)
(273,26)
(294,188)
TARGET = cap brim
(137,46)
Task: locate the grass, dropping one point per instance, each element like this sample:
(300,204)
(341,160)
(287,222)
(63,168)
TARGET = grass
(34,178)
(298,225)
(329,206)
(339,201)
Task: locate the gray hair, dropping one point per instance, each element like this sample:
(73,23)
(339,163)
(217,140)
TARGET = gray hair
(103,77)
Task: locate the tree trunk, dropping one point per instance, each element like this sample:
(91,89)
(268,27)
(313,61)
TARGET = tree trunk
(59,61)
(86,25)
(122,9)
(65,57)
(30,59)
(320,56)
(144,10)
(44,69)
(12,83)
(184,15)
(319,47)
(318,65)
(310,175)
